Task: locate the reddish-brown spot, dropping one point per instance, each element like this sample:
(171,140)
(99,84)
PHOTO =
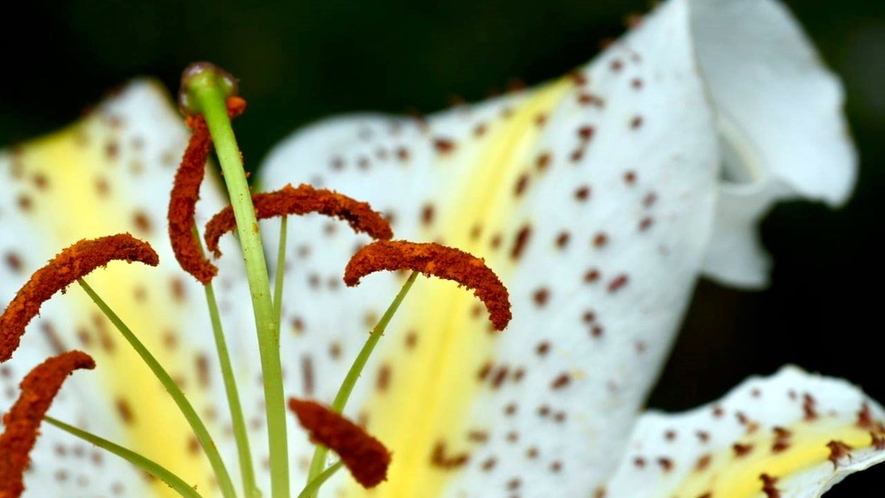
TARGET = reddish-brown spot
(64,269)
(865,417)
(443,145)
(382,382)
(585,133)
(522,239)
(124,410)
(14,262)
(808,407)
(582,193)
(561,381)
(741,449)
(618,283)
(768,486)
(600,240)
(592,275)
(578,78)
(365,457)
(703,462)
(630,177)
(588,99)
(500,376)
(434,259)
(439,458)
(307,375)
(302,200)
(22,422)
(521,185)
(877,441)
(541,296)
(543,161)
(838,451)
(427,214)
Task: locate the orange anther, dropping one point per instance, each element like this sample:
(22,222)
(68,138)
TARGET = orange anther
(186,192)
(64,269)
(434,259)
(302,200)
(365,457)
(38,389)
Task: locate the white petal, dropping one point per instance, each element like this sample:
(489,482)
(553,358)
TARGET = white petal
(110,173)
(780,114)
(779,426)
(544,405)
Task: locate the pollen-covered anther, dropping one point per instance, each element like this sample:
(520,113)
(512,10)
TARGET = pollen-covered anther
(67,267)
(434,259)
(186,192)
(303,200)
(22,422)
(365,457)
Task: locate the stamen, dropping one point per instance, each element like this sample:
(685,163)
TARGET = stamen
(365,457)
(64,269)
(434,259)
(302,200)
(38,389)
(186,192)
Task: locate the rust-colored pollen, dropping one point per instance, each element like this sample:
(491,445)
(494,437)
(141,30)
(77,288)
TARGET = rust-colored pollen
(186,192)
(302,200)
(365,457)
(434,259)
(64,269)
(22,422)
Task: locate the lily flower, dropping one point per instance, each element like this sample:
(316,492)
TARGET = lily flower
(598,199)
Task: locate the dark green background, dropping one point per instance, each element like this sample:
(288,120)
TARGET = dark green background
(299,61)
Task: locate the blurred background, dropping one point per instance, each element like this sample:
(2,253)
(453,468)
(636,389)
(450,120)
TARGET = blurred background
(302,60)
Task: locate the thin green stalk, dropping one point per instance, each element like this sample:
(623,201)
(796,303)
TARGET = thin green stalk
(151,467)
(278,281)
(209,93)
(200,431)
(238,421)
(318,462)
(324,476)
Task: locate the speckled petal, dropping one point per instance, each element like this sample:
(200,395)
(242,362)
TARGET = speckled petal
(109,173)
(779,110)
(803,432)
(592,198)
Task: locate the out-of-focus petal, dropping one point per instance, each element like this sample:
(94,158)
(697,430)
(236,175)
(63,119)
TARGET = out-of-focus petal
(779,110)
(804,432)
(592,197)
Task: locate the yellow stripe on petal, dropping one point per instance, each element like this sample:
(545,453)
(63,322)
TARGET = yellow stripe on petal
(422,415)
(109,174)
(729,475)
